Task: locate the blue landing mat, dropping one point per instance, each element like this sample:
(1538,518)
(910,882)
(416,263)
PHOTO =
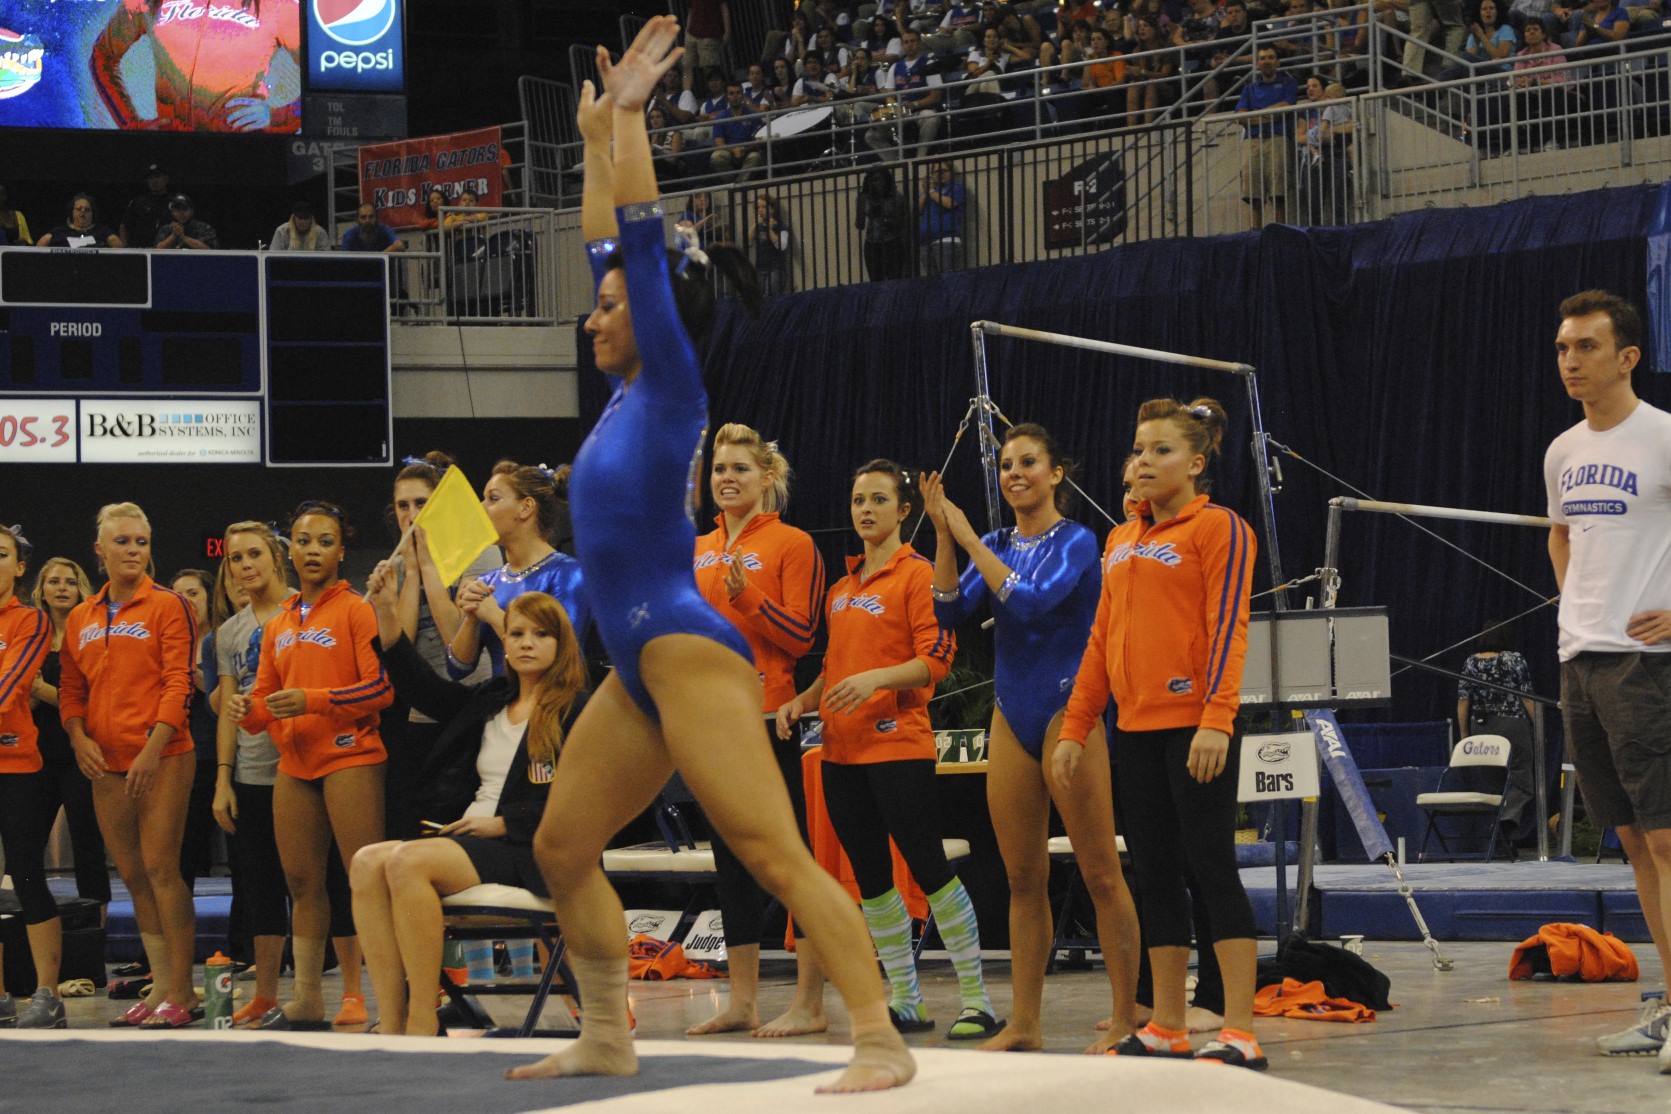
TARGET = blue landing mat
(1461,901)
(165,1077)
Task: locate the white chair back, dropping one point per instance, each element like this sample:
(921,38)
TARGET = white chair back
(1481,750)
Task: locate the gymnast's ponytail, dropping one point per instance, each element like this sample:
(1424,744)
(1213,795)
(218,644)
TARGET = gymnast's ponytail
(693,273)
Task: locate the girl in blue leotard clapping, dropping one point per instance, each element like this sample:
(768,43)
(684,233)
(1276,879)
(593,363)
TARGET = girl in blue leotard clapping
(684,694)
(1042,577)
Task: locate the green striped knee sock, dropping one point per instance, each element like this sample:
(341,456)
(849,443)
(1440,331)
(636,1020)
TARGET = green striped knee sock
(890,928)
(954,916)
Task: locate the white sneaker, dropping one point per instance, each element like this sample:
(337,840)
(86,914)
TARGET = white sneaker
(1646,1034)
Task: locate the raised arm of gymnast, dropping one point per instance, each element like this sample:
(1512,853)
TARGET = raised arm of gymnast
(628,84)
(952,525)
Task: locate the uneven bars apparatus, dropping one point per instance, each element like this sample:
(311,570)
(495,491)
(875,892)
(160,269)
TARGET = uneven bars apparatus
(1330,577)
(980,330)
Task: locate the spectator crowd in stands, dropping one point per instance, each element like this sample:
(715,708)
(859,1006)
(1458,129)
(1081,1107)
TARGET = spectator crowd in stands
(890,72)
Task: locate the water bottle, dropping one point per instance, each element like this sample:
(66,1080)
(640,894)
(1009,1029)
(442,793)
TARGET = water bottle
(217,992)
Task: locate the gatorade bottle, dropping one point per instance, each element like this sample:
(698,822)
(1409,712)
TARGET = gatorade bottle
(217,992)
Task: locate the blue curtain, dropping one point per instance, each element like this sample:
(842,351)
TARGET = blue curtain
(1413,358)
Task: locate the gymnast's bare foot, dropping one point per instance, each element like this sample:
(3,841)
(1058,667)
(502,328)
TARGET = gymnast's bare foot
(732,1019)
(1015,1038)
(1199,1019)
(582,1058)
(1142,1017)
(880,1061)
(796,1021)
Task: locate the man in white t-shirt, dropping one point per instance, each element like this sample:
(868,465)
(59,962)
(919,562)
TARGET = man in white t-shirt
(1609,484)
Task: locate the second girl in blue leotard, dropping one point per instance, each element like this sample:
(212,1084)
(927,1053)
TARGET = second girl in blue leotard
(1042,578)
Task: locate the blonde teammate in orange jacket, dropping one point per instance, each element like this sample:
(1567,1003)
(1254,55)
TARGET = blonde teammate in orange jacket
(1168,644)
(887,651)
(767,578)
(123,698)
(318,692)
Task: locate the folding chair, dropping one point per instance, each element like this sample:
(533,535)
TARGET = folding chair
(495,912)
(1474,784)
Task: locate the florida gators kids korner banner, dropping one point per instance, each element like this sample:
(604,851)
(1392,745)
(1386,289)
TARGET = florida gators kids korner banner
(396,178)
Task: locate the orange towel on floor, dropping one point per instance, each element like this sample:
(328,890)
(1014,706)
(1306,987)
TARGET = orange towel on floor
(1308,1002)
(656,960)
(1577,949)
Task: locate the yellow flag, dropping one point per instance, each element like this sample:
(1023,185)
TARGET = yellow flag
(457,528)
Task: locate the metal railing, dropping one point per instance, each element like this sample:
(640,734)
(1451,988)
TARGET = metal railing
(548,109)
(1602,118)
(1060,196)
(483,265)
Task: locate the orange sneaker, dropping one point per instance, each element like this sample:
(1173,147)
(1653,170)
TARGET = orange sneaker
(1153,1040)
(254,1010)
(353,1011)
(1236,1047)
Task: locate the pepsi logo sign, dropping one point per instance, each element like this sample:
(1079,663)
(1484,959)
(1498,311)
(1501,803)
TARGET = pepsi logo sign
(355,22)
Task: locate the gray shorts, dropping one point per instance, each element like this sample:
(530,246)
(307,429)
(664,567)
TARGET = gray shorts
(1617,710)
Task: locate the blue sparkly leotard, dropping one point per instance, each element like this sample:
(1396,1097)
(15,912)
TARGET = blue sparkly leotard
(557,575)
(1044,613)
(632,489)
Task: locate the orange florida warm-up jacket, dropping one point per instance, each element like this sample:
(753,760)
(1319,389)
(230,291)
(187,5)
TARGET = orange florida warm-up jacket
(127,672)
(331,654)
(25,637)
(884,621)
(1170,635)
(778,610)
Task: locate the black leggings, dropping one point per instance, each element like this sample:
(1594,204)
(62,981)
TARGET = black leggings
(63,785)
(259,876)
(742,903)
(25,825)
(197,844)
(1155,790)
(868,803)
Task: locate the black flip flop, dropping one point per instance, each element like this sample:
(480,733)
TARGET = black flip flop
(275,1019)
(909,1024)
(985,1026)
(132,970)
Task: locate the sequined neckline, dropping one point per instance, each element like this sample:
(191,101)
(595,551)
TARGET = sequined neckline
(1022,545)
(506,576)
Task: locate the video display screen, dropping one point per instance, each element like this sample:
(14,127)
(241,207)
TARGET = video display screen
(151,65)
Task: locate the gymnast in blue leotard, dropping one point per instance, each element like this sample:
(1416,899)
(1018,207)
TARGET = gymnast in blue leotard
(684,694)
(1042,578)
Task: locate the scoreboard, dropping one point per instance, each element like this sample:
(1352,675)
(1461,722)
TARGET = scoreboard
(194,357)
